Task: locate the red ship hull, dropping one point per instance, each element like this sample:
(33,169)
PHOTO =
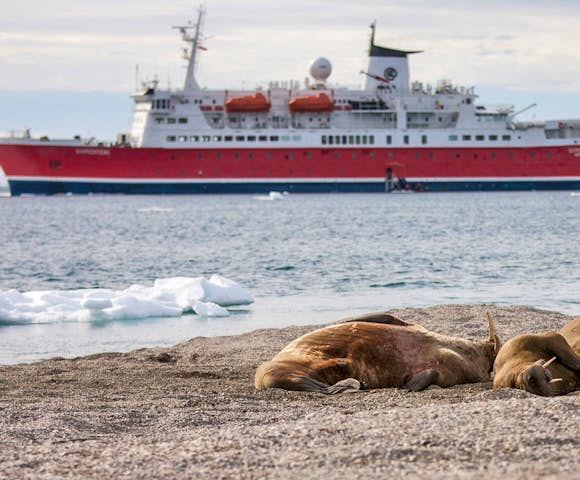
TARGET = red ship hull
(47,169)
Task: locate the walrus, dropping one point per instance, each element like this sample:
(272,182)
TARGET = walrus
(377,350)
(545,363)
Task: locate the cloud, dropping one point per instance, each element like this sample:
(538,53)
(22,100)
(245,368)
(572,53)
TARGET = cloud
(81,45)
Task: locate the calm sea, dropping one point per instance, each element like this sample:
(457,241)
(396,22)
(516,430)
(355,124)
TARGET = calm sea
(305,258)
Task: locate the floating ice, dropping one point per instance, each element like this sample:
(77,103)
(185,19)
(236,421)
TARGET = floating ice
(273,196)
(168,297)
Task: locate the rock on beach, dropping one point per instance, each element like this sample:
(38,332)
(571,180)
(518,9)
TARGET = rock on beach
(191,411)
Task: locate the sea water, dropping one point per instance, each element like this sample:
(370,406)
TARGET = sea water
(305,259)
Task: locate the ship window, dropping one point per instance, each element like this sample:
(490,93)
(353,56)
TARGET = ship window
(274,138)
(206,138)
(466,137)
(364,139)
(182,120)
(372,154)
(308,154)
(218,155)
(351,139)
(228,138)
(506,137)
(353,154)
(330,139)
(424,139)
(430,154)
(492,155)
(390,155)
(240,138)
(183,138)
(250,155)
(549,154)
(217,138)
(493,138)
(285,138)
(344,140)
(194,138)
(323,139)
(263,138)
(268,156)
(160,120)
(389,139)
(406,139)
(236,155)
(200,155)
(337,139)
(372,139)
(336,155)
(171,120)
(480,138)
(453,138)
(251,138)
(532,154)
(171,138)
(296,138)
(417,154)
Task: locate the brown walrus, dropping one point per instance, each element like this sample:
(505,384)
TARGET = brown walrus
(377,351)
(542,363)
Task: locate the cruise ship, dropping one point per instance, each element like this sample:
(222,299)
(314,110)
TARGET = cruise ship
(393,134)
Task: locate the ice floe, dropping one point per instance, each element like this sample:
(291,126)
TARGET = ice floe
(168,297)
(272,196)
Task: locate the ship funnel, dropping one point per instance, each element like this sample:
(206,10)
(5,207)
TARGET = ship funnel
(387,68)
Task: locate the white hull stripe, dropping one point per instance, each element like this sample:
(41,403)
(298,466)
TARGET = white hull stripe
(285,180)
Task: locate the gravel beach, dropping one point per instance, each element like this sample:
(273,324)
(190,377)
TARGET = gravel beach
(191,411)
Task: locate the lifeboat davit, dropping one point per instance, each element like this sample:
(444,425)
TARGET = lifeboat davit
(320,102)
(248,103)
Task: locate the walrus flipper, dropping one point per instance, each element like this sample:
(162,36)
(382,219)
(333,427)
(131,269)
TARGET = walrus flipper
(348,385)
(564,353)
(378,317)
(422,380)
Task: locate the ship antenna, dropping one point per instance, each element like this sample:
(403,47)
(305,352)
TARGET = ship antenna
(373,28)
(190,53)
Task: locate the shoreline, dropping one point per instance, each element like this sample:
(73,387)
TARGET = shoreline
(191,411)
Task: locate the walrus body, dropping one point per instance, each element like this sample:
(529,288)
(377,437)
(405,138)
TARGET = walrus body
(524,362)
(377,351)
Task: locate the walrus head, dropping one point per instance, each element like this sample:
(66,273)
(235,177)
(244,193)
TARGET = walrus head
(537,378)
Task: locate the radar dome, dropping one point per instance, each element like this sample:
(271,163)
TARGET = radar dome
(320,69)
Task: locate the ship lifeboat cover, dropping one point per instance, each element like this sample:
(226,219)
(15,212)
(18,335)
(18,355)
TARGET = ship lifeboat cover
(320,102)
(256,102)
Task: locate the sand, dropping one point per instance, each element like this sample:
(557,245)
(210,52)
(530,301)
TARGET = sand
(191,411)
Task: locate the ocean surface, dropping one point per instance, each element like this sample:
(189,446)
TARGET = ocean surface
(306,259)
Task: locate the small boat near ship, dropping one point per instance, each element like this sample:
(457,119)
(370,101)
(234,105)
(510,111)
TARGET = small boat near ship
(391,134)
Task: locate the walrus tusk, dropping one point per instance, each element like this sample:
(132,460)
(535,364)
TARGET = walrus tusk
(549,362)
(556,380)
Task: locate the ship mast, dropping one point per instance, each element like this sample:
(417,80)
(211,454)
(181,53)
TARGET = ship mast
(190,53)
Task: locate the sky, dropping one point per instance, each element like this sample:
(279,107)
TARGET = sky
(68,66)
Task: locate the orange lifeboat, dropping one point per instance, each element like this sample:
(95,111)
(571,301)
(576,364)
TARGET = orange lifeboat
(320,102)
(249,103)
